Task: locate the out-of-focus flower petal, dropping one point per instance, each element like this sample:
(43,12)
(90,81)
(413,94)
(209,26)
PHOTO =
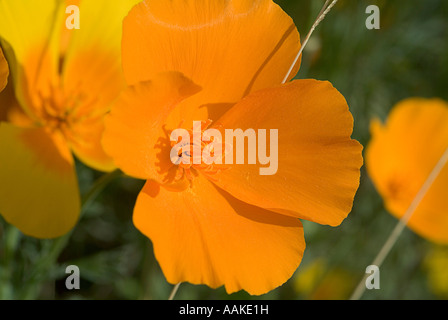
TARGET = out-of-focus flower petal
(400,157)
(29,33)
(92,71)
(38,190)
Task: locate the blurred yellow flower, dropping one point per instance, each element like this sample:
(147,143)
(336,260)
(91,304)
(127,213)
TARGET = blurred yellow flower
(64,83)
(436,265)
(400,157)
(316,282)
(309,277)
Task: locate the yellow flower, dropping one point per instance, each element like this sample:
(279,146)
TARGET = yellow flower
(400,157)
(436,265)
(64,82)
(309,277)
(317,282)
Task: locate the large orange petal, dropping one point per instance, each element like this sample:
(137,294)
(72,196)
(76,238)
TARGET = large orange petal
(400,157)
(205,236)
(38,190)
(228,47)
(318,163)
(4,71)
(136,133)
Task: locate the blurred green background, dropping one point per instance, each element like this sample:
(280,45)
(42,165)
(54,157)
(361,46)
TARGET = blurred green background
(373,69)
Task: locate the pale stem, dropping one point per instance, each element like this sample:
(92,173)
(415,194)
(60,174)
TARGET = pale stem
(322,14)
(378,261)
(173,293)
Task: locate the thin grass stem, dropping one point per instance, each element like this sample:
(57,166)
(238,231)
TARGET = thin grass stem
(173,293)
(322,14)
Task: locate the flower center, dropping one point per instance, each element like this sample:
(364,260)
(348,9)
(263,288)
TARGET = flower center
(60,110)
(196,155)
(53,114)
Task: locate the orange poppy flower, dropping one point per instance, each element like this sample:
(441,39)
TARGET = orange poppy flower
(401,156)
(223,63)
(4,71)
(64,82)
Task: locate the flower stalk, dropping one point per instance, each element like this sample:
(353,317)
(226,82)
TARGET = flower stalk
(322,14)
